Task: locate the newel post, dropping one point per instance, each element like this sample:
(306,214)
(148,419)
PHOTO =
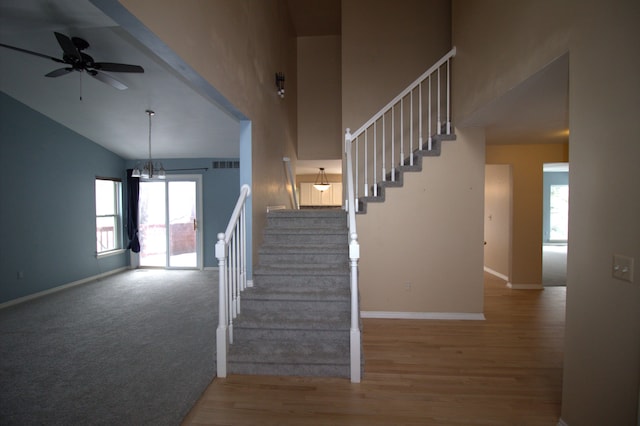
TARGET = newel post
(222,340)
(354,255)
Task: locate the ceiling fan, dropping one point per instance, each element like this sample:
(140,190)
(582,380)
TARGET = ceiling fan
(76,60)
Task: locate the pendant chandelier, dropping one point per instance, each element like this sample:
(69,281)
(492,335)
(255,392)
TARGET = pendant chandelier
(149,169)
(322,184)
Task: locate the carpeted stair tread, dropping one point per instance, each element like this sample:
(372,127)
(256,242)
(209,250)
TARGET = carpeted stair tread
(302,269)
(418,156)
(291,352)
(286,316)
(296,292)
(305,230)
(304,248)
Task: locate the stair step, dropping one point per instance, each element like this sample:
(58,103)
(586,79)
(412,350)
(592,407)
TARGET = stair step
(418,155)
(327,254)
(303,269)
(287,291)
(295,320)
(294,315)
(278,278)
(291,358)
(305,237)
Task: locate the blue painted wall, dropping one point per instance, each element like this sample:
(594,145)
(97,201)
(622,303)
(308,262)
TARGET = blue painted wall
(47,202)
(47,205)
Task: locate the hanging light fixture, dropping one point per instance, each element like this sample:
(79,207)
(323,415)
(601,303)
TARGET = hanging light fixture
(149,170)
(322,184)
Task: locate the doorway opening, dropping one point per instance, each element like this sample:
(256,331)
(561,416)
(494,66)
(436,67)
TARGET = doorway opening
(169,222)
(555,221)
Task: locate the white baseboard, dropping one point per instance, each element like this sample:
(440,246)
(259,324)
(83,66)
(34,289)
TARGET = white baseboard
(525,286)
(61,287)
(496,273)
(211,268)
(562,423)
(423,315)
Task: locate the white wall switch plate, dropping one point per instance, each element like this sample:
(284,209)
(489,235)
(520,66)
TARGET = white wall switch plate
(622,267)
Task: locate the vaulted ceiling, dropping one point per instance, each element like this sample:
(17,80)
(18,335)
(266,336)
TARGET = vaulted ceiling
(188,124)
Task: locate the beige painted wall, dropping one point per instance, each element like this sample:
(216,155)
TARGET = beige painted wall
(501,43)
(385,47)
(428,234)
(238,46)
(602,357)
(319,98)
(526,239)
(497,217)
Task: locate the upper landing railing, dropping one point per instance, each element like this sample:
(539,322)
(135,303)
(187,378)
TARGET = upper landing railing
(389,138)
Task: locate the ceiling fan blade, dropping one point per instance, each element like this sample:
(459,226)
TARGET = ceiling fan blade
(59,72)
(113,67)
(32,53)
(67,46)
(108,80)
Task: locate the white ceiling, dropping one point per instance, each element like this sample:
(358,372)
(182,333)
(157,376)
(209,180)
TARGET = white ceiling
(186,124)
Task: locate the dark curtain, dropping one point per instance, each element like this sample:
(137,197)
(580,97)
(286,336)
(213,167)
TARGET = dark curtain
(133,194)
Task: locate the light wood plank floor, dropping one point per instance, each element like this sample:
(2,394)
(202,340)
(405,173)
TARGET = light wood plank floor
(506,370)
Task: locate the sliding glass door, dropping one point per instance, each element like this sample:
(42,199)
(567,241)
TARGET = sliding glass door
(169,229)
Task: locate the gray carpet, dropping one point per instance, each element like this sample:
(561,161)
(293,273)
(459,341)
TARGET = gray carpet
(136,348)
(554,265)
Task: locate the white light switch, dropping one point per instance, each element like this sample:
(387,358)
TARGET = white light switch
(623,267)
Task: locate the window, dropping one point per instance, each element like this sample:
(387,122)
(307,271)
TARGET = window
(559,213)
(108,215)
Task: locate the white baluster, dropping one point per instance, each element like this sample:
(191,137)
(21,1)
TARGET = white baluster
(438,131)
(384,152)
(402,131)
(448,97)
(366,174)
(393,135)
(430,132)
(375,158)
(411,129)
(222,342)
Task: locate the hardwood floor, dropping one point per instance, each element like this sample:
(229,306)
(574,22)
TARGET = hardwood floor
(506,370)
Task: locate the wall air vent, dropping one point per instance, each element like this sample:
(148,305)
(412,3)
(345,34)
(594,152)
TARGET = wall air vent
(234,164)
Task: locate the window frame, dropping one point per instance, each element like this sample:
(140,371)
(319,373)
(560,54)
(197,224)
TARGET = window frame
(116,215)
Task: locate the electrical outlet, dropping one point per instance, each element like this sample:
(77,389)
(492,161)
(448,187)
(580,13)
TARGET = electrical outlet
(407,286)
(622,267)
(20,275)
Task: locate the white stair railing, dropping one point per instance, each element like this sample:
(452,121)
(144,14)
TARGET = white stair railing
(231,252)
(392,135)
(354,256)
(294,192)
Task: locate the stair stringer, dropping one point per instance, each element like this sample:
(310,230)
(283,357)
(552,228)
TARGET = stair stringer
(418,158)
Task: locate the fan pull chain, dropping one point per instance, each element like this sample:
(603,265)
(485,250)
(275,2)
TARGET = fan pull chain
(80,87)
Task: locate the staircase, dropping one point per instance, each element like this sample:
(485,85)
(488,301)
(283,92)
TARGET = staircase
(295,320)
(409,166)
